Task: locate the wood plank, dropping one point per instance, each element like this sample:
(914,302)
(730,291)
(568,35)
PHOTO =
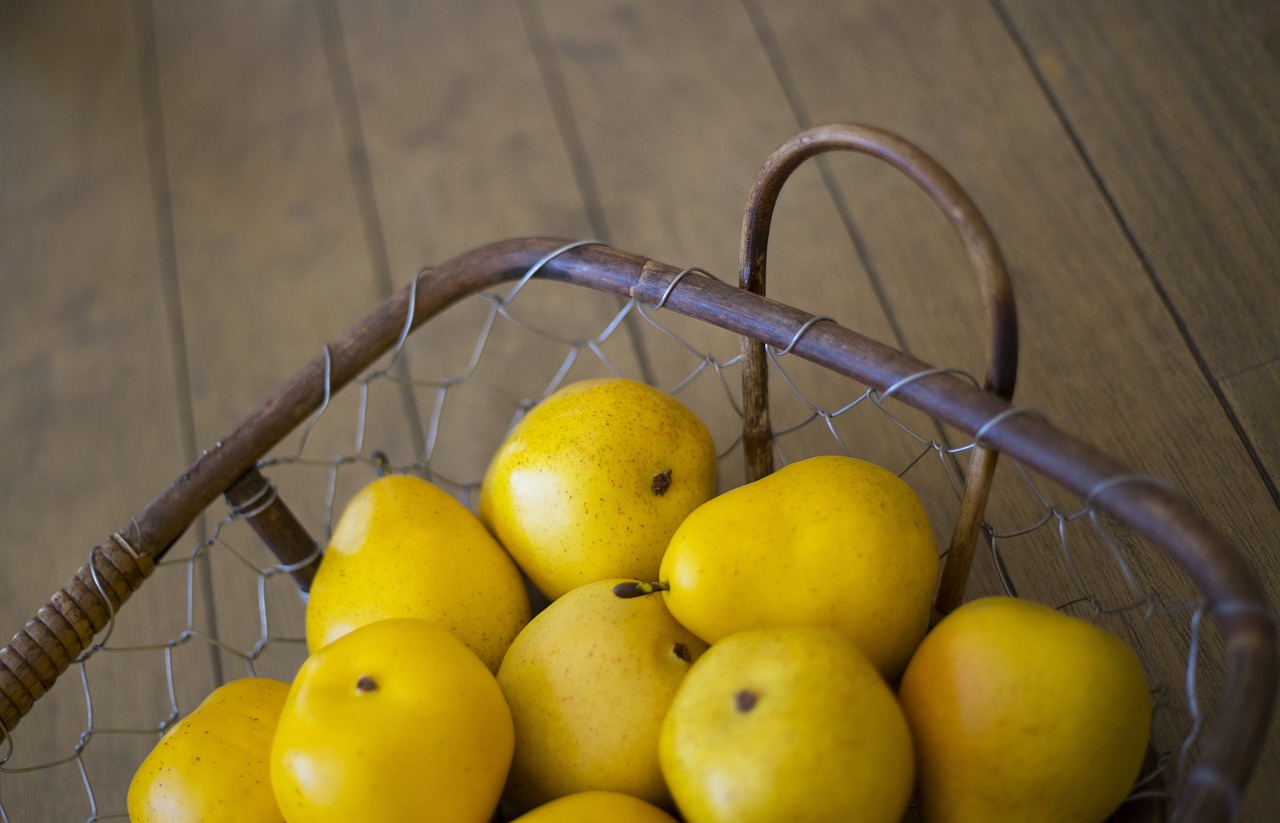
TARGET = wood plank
(1177,109)
(1262,19)
(1101,355)
(462,143)
(91,409)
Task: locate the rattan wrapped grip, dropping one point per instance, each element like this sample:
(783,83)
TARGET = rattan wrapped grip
(65,626)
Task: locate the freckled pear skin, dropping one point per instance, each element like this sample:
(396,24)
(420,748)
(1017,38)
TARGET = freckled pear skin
(829,541)
(395,722)
(213,766)
(787,724)
(406,548)
(594,480)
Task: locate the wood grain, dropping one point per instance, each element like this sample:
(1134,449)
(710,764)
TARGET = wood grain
(1250,392)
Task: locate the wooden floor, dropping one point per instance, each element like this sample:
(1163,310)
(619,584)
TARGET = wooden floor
(195,197)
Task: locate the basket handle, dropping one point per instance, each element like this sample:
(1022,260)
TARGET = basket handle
(984,254)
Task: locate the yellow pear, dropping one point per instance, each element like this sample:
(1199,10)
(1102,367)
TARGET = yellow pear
(405,548)
(213,766)
(1021,712)
(829,541)
(394,722)
(588,681)
(592,806)
(592,482)
(789,724)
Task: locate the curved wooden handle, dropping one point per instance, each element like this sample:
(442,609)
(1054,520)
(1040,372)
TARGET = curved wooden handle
(993,277)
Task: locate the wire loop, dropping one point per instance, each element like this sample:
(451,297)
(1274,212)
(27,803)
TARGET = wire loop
(1122,480)
(911,378)
(260,502)
(540,264)
(662,301)
(1012,411)
(124,544)
(795,338)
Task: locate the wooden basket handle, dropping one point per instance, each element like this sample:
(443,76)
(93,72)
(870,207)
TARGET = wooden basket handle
(993,277)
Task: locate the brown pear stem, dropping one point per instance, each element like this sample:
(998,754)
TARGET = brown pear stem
(635,588)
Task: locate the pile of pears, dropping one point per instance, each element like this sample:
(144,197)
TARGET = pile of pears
(610,639)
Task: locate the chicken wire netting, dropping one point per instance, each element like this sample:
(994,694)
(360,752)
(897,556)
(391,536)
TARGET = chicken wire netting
(220,606)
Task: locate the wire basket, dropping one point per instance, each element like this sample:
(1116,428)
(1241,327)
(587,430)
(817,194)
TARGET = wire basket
(1054,520)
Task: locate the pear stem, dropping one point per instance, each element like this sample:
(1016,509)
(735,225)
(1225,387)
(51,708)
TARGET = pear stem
(634,588)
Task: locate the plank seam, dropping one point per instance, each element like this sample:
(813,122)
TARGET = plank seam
(566,121)
(166,240)
(1077,143)
(347,102)
(557,90)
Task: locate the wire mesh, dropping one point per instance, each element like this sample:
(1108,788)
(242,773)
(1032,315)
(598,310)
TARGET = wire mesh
(439,404)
